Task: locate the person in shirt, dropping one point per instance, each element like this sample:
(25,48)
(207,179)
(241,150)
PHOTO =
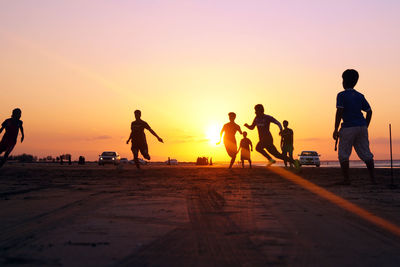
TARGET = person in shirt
(263,121)
(354,129)
(287,141)
(12,126)
(230,130)
(244,147)
(138,138)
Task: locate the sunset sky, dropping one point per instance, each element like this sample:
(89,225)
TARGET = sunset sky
(78,70)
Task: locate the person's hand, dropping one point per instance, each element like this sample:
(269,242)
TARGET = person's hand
(127,141)
(335,135)
(22,139)
(160,140)
(246,125)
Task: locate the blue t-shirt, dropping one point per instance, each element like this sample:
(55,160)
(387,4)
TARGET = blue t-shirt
(352,103)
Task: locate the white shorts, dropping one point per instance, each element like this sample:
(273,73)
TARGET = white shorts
(357,137)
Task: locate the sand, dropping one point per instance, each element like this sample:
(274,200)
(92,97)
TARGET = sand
(190,216)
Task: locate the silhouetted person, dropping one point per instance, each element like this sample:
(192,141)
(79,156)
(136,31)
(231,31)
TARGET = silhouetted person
(263,121)
(245,145)
(287,142)
(138,138)
(354,129)
(12,126)
(230,130)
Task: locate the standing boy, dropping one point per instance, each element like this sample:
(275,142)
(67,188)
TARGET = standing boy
(354,130)
(245,145)
(230,130)
(138,138)
(287,141)
(12,126)
(262,121)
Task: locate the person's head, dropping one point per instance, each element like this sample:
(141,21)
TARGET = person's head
(138,114)
(285,123)
(244,134)
(350,78)
(259,109)
(232,116)
(16,113)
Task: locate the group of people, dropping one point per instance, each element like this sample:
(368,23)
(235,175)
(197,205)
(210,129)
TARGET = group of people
(353,132)
(265,144)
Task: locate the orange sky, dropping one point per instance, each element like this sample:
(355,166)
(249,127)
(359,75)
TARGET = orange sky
(79,69)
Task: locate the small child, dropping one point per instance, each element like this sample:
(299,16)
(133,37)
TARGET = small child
(12,127)
(245,145)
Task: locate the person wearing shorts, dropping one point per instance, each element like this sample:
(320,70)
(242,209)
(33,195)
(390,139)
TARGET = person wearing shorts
(230,130)
(354,128)
(12,126)
(287,141)
(138,138)
(263,121)
(244,147)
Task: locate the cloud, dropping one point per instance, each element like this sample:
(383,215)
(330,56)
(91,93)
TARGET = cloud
(100,137)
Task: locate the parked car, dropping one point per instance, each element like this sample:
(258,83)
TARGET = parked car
(124,160)
(109,157)
(141,162)
(309,158)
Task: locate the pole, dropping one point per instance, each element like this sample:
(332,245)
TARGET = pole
(391,153)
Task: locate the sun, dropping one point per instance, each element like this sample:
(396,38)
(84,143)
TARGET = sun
(212,133)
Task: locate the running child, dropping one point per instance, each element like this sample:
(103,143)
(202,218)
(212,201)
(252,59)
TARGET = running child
(138,138)
(12,126)
(245,145)
(287,142)
(230,130)
(263,121)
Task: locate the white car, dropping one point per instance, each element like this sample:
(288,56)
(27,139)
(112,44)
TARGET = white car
(109,157)
(309,158)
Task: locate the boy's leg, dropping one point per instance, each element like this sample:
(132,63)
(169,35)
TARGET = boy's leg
(284,153)
(346,140)
(242,163)
(260,149)
(232,161)
(7,148)
(250,163)
(144,150)
(272,149)
(291,155)
(361,146)
(135,152)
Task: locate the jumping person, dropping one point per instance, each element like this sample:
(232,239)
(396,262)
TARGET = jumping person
(12,126)
(138,138)
(262,121)
(230,130)
(245,145)
(287,142)
(354,130)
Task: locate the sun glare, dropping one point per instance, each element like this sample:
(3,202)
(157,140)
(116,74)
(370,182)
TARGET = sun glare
(212,133)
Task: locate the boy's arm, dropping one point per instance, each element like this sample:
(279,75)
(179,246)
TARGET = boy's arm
(275,121)
(251,127)
(129,139)
(220,135)
(154,133)
(240,130)
(1,129)
(369,116)
(22,133)
(338,119)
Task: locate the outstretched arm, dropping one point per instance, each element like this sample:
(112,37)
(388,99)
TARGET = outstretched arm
(240,130)
(22,133)
(369,116)
(277,123)
(251,127)
(338,119)
(154,133)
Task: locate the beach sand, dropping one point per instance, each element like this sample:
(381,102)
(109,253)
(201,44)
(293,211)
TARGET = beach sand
(191,216)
